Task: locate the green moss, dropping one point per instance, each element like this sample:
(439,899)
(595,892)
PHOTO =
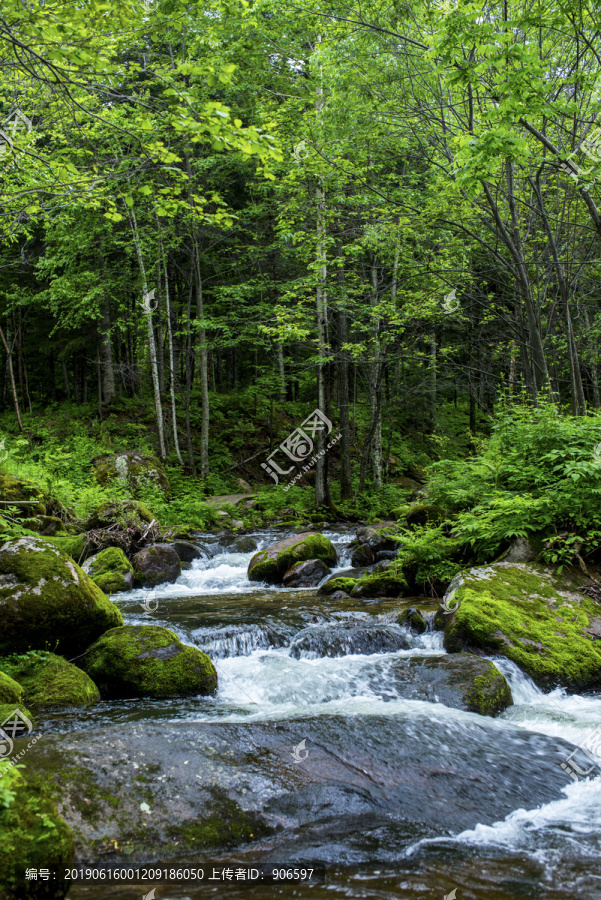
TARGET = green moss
(526,615)
(48,680)
(338,584)
(126,513)
(270,564)
(33,836)
(139,470)
(148,661)
(386,584)
(10,690)
(74,545)
(424,514)
(30,495)
(488,694)
(48,602)
(112,571)
(46,525)
(8,709)
(228,828)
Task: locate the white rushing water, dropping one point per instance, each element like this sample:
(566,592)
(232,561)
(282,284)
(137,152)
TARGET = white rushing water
(260,681)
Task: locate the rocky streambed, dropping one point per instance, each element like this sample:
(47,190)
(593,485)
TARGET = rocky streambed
(341,734)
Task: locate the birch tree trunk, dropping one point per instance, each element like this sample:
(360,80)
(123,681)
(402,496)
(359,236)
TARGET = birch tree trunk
(204,370)
(151,342)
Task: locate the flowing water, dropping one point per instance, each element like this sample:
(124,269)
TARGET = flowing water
(291,663)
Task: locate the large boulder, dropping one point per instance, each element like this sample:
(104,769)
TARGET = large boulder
(27,497)
(110,570)
(48,680)
(126,513)
(148,661)
(46,599)
(158,564)
(131,468)
(271,564)
(187,551)
(460,681)
(33,837)
(306,574)
(532,616)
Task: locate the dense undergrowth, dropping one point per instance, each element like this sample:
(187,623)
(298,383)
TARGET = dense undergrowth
(536,475)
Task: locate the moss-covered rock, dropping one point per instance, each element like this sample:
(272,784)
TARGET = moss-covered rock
(337,584)
(127,513)
(530,615)
(271,564)
(110,570)
(424,514)
(27,497)
(459,681)
(48,602)
(45,525)
(380,584)
(33,837)
(74,545)
(133,468)
(148,661)
(10,690)
(48,680)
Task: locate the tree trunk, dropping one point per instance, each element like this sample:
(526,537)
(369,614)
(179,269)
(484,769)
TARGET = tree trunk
(11,375)
(204,370)
(151,342)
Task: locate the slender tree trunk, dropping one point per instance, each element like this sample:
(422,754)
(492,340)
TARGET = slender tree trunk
(151,342)
(346,487)
(281,371)
(171,367)
(11,375)
(204,370)
(106,353)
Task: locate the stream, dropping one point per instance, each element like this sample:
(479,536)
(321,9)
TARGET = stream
(392,797)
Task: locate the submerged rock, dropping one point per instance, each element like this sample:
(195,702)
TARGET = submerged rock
(34,836)
(306,574)
(158,564)
(215,786)
(110,570)
(148,661)
(48,680)
(271,564)
(342,640)
(530,615)
(460,682)
(46,599)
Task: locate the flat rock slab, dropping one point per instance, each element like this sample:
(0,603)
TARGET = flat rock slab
(147,792)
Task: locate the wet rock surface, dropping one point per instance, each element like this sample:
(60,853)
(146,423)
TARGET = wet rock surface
(130,795)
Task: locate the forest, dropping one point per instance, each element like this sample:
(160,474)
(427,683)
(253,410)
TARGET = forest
(300,448)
